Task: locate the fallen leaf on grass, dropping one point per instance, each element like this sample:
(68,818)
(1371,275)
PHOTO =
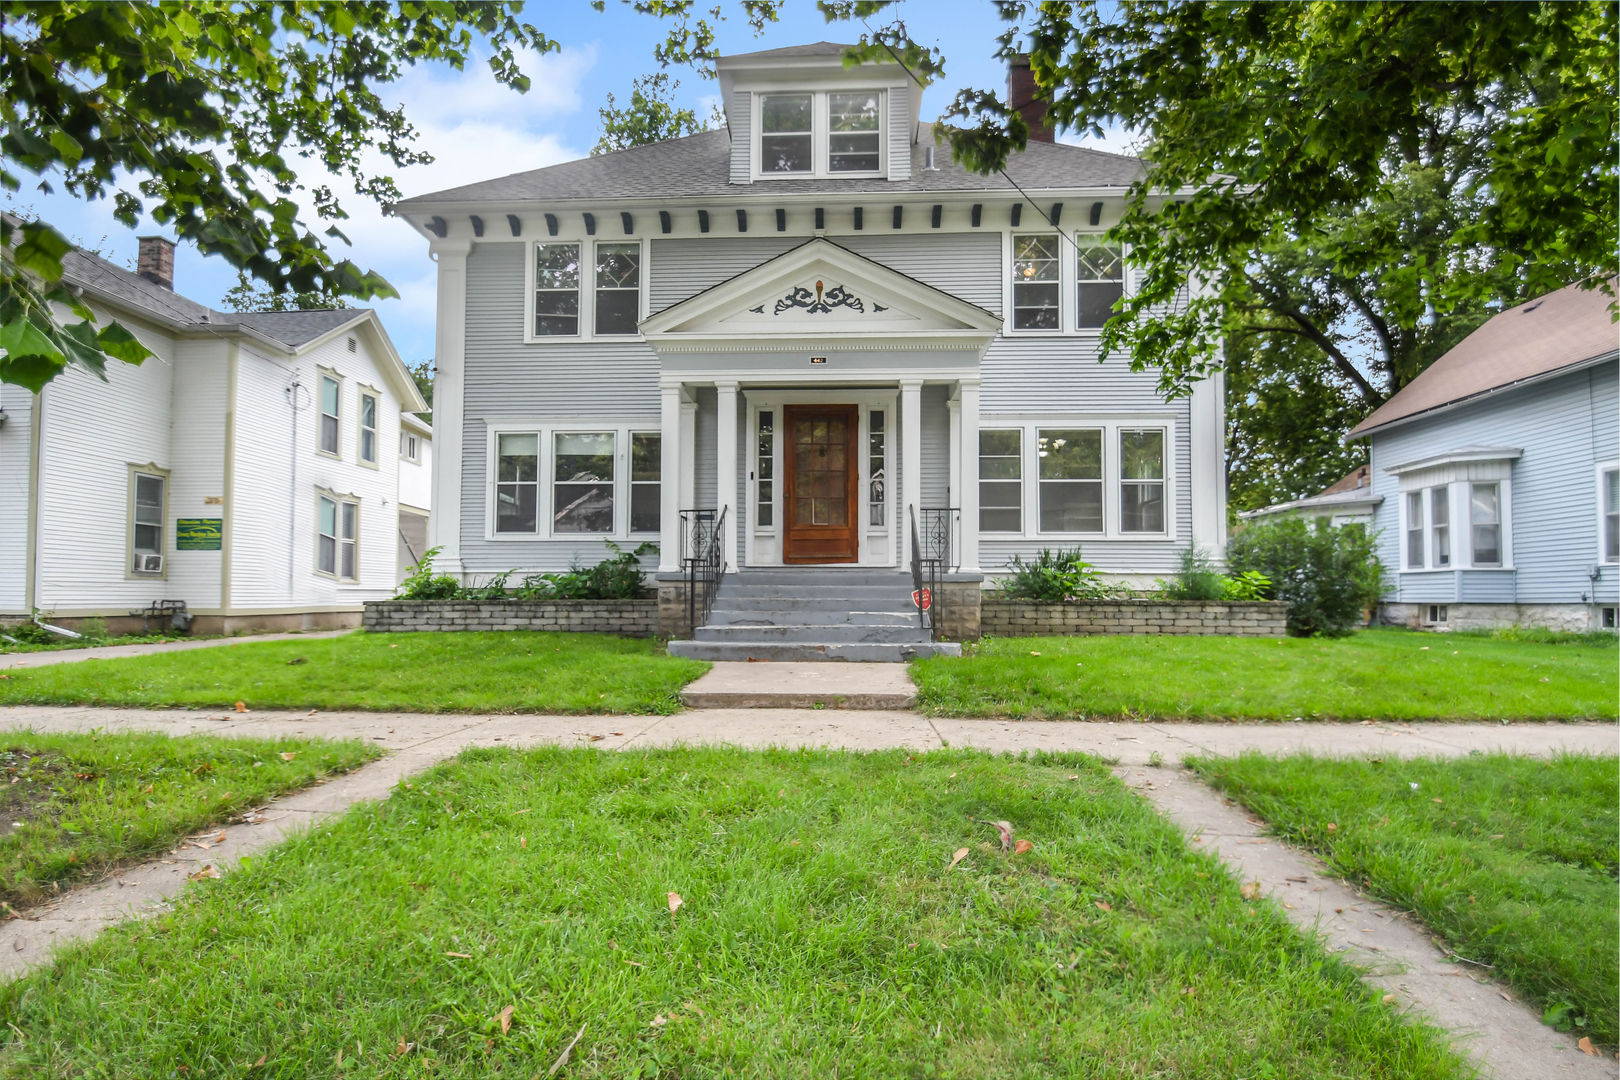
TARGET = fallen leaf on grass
(569,1049)
(1332,827)
(288,755)
(1586,1047)
(262,1059)
(1021,847)
(675,903)
(633,963)
(241,706)
(1034,654)
(1388,998)
(961,853)
(1103,905)
(404,1047)
(506,1018)
(206,872)
(1250,890)
(523,842)
(460,955)
(660,1020)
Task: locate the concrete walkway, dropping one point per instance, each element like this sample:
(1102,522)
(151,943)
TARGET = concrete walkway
(1504,1036)
(109,652)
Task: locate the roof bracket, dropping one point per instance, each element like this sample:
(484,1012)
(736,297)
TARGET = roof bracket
(897,211)
(477,224)
(437,227)
(551,224)
(1096,213)
(781,220)
(1017,214)
(742,221)
(703,221)
(629,222)
(978,212)
(515,223)
(1057,213)
(821,219)
(663,221)
(938,210)
(590,224)
(859,225)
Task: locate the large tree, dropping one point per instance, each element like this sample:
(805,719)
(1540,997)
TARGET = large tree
(650,116)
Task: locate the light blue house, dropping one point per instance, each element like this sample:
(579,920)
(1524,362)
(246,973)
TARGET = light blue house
(1497,474)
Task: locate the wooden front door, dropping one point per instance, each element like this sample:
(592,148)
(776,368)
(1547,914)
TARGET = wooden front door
(823,474)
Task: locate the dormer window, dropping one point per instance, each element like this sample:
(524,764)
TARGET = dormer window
(787,133)
(820,133)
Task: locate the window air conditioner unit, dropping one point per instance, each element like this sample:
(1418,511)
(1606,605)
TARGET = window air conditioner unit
(149,564)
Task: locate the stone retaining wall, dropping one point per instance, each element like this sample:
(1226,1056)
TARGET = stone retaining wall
(627,618)
(1029,618)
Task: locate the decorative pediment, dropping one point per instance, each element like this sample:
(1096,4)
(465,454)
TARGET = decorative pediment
(824,290)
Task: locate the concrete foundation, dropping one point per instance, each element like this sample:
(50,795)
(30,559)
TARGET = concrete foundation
(1575,618)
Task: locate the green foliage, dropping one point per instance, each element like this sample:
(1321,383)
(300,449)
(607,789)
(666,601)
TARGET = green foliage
(1540,635)
(1329,575)
(1055,576)
(423,584)
(1249,585)
(249,295)
(650,117)
(1509,860)
(422,374)
(1197,579)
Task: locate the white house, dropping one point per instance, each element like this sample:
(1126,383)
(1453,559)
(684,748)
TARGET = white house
(415,489)
(813,323)
(248,469)
(1497,474)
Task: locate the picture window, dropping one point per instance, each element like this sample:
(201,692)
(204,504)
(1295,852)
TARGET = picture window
(582,482)
(1071,480)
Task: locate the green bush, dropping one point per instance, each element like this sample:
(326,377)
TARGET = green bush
(1329,575)
(1199,580)
(1249,585)
(617,577)
(423,585)
(1055,576)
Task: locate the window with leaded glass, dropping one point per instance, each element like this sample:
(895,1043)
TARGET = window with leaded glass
(618,288)
(1100,279)
(1071,481)
(1035,283)
(556,290)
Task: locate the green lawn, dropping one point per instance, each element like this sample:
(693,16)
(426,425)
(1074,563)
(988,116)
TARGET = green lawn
(1511,860)
(465,672)
(1375,674)
(822,933)
(74,806)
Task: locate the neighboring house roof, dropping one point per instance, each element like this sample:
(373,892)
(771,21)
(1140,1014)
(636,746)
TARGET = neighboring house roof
(700,166)
(297,328)
(819,48)
(1337,502)
(1558,332)
(416,423)
(1356,478)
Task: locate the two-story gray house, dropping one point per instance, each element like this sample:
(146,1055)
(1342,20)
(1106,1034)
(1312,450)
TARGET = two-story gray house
(801,334)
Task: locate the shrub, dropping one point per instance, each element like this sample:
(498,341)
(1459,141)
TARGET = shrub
(1249,585)
(1329,575)
(422,585)
(1055,576)
(1196,580)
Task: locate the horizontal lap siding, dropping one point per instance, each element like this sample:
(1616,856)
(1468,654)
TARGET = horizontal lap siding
(683,268)
(935,467)
(18,405)
(508,379)
(1566,427)
(1486,587)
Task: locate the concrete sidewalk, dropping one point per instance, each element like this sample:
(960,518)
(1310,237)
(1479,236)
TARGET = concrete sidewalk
(1504,1036)
(111,652)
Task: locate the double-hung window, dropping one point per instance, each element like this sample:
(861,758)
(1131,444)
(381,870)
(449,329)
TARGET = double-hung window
(852,132)
(517,483)
(337,538)
(1100,280)
(618,288)
(410,447)
(1415,518)
(1071,466)
(146,526)
(556,290)
(1035,283)
(1611,515)
(646,476)
(1440,517)
(1001,483)
(330,395)
(582,482)
(1141,485)
(368,428)
(1485,521)
(787,133)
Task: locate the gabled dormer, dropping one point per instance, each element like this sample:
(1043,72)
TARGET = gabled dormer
(798,114)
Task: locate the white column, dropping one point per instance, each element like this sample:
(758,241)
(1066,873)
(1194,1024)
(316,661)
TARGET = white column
(449,400)
(669,478)
(688,453)
(1208,474)
(726,466)
(968,493)
(910,461)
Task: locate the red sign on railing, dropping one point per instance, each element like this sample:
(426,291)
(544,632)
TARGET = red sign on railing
(923,598)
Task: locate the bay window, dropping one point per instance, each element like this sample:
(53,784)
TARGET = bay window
(1001,486)
(1414,530)
(1485,519)
(1141,488)
(582,482)
(1440,517)
(1071,480)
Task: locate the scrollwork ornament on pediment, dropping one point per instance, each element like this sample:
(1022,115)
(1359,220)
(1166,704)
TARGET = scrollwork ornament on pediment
(819,302)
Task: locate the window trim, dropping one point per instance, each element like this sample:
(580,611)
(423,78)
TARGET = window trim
(1068,279)
(1457,492)
(130,573)
(1110,423)
(630,480)
(338,499)
(1601,470)
(363,391)
(1022,479)
(1101,481)
(322,374)
(820,134)
(544,429)
(405,434)
(1168,449)
(574,234)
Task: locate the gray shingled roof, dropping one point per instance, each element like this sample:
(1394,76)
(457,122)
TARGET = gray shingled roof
(820,48)
(700,165)
(292,328)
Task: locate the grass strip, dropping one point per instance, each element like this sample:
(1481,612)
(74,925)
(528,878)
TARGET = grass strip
(74,806)
(1510,860)
(1374,674)
(717,912)
(502,672)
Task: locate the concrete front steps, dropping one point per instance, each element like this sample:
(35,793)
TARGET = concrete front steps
(813,614)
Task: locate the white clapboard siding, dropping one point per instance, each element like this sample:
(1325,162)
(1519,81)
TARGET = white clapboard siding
(17,403)
(900,132)
(1565,427)
(740,126)
(197,442)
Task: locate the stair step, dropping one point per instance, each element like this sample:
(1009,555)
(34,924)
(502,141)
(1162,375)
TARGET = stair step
(751,616)
(817,576)
(812,632)
(774,607)
(809,651)
(834,592)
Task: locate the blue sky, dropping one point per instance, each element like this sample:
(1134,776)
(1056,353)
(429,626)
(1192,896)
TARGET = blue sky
(478,129)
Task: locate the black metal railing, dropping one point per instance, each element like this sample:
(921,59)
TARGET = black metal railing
(703,560)
(933,548)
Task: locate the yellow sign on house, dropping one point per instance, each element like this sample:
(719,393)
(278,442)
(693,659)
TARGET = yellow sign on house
(199,534)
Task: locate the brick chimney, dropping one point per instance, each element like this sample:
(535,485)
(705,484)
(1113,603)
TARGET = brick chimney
(156,261)
(1023,96)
